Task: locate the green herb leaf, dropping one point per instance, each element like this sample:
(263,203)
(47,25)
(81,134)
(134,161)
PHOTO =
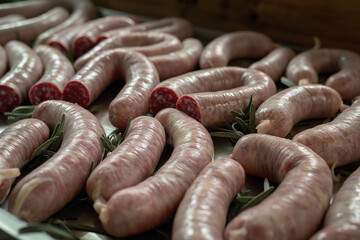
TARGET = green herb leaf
(43,147)
(256,200)
(252,126)
(247,109)
(126,131)
(287,82)
(244,127)
(19,113)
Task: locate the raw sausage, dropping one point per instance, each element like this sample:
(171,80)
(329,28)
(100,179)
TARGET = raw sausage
(11,18)
(178,62)
(52,185)
(176,26)
(81,11)
(149,44)
(305,67)
(133,100)
(342,220)
(3,61)
(130,163)
(202,212)
(25,69)
(213,108)
(337,142)
(278,114)
(17,143)
(28,29)
(168,92)
(296,208)
(233,45)
(62,39)
(274,64)
(85,39)
(28,9)
(154,201)
(57,72)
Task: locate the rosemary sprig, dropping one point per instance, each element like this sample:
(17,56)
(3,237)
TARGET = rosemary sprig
(114,139)
(19,113)
(287,82)
(244,124)
(49,147)
(244,201)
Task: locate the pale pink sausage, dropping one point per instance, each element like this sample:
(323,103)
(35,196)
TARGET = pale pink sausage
(3,61)
(279,113)
(154,201)
(138,72)
(176,26)
(28,29)
(85,39)
(274,64)
(296,208)
(167,93)
(52,185)
(213,108)
(242,44)
(25,69)
(305,67)
(11,18)
(342,220)
(130,163)
(147,43)
(62,39)
(28,9)
(17,143)
(81,11)
(337,142)
(202,212)
(57,72)
(179,62)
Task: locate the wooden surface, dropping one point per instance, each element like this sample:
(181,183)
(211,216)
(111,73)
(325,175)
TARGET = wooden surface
(293,22)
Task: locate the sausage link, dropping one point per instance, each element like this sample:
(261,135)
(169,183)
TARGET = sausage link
(11,18)
(28,29)
(213,108)
(167,93)
(274,64)
(3,61)
(130,163)
(147,43)
(202,212)
(242,44)
(57,72)
(154,201)
(25,69)
(305,67)
(28,9)
(179,27)
(178,62)
(337,142)
(296,208)
(17,143)
(133,99)
(85,39)
(81,11)
(278,114)
(52,185)
(342,220)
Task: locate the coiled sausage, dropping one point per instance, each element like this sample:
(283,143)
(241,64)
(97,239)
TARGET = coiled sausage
(154,201)
(296,208)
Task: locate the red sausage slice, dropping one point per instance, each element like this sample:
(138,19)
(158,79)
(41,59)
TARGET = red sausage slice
(58,71)
(25,69)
